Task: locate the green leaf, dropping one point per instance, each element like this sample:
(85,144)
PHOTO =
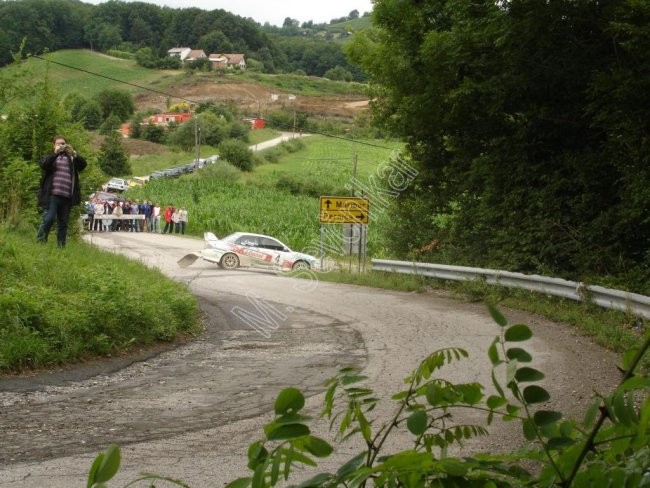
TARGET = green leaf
(318,447)
(511,371)
(364,425)
(518,333)
(535,394)
(497,316)
(257,453)
(351,465)
(495,401)
(530,433)
(519,354)
(493,353)
(290,400)
(291,418)
(628,356)
(350,379)
(497,385)
(240,483)
(290,431)
(109,464)
(258,477)
(559,443)
(590,415)
(417,422)
(434,394)
(454,467)
(301,458)
(544,417)
(316,481)
(93,469)
(528,374)
(275,468)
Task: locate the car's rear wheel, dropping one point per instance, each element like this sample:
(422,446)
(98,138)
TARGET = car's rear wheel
(229,261)
(300,265)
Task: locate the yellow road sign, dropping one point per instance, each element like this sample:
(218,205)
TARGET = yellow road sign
(344,210)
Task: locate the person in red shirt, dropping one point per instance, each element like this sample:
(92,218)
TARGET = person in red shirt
(169,224)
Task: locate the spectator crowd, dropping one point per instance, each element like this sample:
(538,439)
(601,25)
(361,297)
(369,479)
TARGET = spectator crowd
(113,216)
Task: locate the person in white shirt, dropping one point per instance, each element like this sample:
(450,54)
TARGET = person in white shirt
(155,218)
(182,219)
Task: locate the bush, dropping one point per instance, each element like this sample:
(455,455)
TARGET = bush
(237,153)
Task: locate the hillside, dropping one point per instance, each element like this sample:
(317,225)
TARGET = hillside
(89,72)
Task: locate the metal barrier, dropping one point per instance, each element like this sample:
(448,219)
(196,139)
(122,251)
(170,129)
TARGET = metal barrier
(638,305)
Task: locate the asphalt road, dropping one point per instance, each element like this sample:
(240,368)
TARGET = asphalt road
(191,411)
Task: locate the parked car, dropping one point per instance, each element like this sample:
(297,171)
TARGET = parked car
(212,159)
(251,250)
(117,184)
(138,181)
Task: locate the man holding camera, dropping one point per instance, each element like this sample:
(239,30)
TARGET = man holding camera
(59,190)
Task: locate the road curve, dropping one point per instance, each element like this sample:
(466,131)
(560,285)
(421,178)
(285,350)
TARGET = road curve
(190,412)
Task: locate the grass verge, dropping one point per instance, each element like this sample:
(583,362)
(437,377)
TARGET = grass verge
(64,305)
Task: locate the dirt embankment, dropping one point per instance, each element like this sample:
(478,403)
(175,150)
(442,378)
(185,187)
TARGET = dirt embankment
(256,97)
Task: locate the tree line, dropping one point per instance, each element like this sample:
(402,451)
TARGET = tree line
(529,123)
(134,26)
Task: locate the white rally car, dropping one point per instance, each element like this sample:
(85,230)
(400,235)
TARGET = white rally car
(250,250)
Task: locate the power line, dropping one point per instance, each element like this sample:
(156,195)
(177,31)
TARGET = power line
(160,92)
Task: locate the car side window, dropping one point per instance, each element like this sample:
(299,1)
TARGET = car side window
(248,241)
(272,244)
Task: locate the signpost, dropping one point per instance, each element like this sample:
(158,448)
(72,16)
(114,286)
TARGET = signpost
(344,210)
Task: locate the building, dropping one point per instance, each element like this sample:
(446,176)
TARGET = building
(168,118)
(194,54)
(179,52)
(227,61)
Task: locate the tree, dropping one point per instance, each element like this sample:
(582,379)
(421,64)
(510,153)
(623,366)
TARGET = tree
(338,74)
(116,102)
(215,42)
(113,158)
(519,156)
(237,153)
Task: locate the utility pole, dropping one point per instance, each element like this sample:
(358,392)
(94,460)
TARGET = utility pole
(197,142)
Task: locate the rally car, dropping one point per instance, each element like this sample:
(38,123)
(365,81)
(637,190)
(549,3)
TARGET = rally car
(244,249)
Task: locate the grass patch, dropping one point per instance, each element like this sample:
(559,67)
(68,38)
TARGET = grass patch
(60,306)
(261,135)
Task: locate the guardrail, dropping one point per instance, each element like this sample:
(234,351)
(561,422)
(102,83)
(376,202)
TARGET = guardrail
(638,305)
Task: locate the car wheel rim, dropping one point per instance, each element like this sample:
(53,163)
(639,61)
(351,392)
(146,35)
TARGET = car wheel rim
(300,265)
(230,261)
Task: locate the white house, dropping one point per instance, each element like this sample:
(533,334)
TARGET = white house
(179,52)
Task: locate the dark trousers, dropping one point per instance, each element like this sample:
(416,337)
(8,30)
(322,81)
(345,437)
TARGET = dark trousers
(169,226)
(58,209)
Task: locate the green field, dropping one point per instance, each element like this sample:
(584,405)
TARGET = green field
(277,199)
(70,70)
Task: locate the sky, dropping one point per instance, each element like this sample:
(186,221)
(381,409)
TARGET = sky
(274,11)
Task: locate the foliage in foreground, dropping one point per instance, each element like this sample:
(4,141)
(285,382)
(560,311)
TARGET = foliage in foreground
(610,448)
(63,305)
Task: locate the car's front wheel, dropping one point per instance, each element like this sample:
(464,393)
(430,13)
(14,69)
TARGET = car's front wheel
(229,261)
(300,265)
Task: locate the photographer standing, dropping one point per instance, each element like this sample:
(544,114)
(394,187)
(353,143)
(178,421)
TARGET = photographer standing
(59,190)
